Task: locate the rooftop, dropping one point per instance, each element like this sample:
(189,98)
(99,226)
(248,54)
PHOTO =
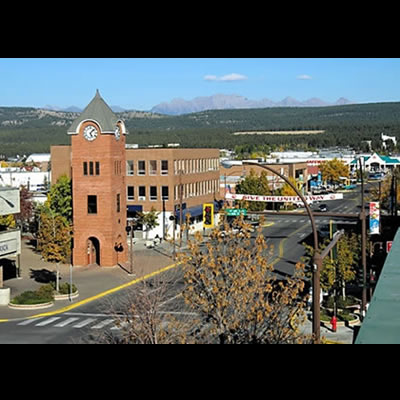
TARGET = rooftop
(97,110)
(382,322)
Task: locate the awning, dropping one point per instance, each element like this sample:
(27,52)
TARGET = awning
(193,211)
(135,208)
(196,211)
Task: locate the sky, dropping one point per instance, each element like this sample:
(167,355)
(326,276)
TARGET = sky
(143,83)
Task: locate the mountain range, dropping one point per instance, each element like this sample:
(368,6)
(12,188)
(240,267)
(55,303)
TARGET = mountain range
(233,101)
(180,106)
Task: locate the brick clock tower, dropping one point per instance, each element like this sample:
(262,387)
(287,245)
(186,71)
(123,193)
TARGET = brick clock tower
(98,186)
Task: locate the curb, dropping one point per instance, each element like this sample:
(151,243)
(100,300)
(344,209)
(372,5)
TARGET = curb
(97,296)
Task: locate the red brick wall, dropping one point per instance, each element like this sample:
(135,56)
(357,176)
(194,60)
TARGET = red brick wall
(107,225)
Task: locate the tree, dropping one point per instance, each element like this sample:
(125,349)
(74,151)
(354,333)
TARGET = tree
(26,207)
(55,235)
(340,270)
(60,198)
(332,170)
(141,317)
(256,185)
(149,220)
(55,239)
(7,221)
(287,190)
(233,289)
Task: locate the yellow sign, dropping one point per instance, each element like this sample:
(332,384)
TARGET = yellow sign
(208,215)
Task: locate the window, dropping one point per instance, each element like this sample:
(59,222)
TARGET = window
(118,203)
(91,168)
(142,193)
(117,168)
(131,193)
(153,193)
(153,167)
(141,167)
(130,168)
(92,204)
(164,167)
(165,192)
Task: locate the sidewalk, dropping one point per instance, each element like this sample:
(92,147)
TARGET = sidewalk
(90,280)
(343,334)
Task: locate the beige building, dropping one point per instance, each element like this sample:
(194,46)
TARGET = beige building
(231,174)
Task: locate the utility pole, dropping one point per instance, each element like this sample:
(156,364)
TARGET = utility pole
(180,207)
(363,245)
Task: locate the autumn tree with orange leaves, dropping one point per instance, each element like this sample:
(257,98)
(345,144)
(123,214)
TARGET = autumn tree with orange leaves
(232,286)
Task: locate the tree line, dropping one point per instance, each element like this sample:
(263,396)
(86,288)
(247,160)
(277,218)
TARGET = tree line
(349,125)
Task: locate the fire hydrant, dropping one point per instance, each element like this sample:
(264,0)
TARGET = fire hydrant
(334,323)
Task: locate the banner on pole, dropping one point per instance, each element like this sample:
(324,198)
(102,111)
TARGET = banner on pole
(283,199)
(374,216)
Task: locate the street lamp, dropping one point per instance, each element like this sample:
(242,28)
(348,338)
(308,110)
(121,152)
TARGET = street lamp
(317,259)
(129,229)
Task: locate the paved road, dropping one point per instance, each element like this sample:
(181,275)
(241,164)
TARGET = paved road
(89,321)
(287,232)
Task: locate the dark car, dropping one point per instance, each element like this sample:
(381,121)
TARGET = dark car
(323,207)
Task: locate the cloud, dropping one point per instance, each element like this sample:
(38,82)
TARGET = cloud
(304,77)
(225,78)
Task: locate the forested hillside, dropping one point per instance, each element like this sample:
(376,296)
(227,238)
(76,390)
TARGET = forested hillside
(27,130)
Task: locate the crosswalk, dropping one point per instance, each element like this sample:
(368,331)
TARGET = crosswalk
(95,321)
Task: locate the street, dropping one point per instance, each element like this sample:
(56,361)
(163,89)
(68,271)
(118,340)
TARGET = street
(284,233)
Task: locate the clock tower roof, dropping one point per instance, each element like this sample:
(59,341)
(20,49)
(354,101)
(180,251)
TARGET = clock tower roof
(97,110)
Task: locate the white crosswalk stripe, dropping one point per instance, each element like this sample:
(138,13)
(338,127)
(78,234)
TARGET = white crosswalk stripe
(48,321)
(29,321)
(85,322)
(76,322)
(66,322)
(103,324)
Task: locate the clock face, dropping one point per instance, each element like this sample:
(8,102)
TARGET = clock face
(117,132)
(90,133)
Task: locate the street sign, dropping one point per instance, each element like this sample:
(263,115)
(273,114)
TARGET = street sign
(235,212)
(388,246)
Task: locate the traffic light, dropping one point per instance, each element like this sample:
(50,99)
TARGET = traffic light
(208,215)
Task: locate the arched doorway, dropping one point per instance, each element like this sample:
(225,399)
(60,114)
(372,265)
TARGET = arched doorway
(93,251)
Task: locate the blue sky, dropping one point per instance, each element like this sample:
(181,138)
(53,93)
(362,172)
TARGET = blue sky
(142,83)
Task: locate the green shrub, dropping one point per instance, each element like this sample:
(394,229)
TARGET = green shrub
(43,295)
(64,288)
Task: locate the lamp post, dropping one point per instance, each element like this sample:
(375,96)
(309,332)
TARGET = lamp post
(317,259)
(129,229)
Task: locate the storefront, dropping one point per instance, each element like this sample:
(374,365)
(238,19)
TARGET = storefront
(10,239)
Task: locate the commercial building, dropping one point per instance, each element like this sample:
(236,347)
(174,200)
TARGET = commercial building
(112,182)
(232,172)
(375,163)
(10,239)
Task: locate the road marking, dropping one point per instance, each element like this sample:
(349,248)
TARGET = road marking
(102,294)
(48,321)
(281,245)
(104,323)
(85,322)
(65,322)
(28,321)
